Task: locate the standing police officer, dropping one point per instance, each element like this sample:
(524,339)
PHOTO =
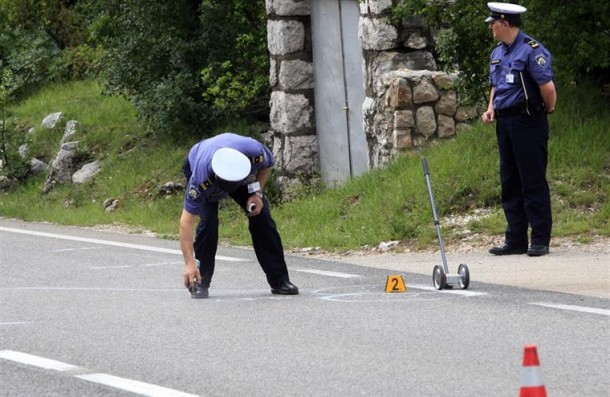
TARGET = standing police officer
(229,165)
(522,95)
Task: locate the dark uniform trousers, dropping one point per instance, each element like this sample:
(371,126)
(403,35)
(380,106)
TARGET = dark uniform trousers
(265,240)
(523,145)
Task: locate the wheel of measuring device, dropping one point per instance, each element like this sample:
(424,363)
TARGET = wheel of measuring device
(464,274)
(439,278)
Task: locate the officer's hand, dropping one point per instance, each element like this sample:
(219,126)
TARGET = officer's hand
(254,205)
(488,117)
(191,274)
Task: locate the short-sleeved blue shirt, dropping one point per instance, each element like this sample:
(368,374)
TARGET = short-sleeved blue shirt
(507,61)
(200,160)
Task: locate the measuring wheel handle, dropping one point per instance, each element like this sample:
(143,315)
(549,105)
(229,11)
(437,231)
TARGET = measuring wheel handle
(464,274)
(439,277)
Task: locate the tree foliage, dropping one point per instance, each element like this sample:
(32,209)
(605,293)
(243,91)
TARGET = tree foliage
(187,65)
(154,56)
(46,41)
(235,76)
(577,33)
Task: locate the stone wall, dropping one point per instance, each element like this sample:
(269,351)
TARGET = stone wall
(408,101)
(292,135)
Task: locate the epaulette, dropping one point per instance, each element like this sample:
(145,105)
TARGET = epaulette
(532,43)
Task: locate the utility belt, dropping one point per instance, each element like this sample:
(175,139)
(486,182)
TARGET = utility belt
(527,108)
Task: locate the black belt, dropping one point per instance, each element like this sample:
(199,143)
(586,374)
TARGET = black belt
(511,110)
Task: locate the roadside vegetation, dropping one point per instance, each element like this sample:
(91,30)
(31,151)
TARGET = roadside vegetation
(389,204)
(147,79)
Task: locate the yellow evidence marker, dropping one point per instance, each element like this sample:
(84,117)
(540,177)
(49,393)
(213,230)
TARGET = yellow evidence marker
(395,283)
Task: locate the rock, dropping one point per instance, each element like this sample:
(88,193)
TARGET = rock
(86,173)
(38,167)
(69,132)
(110,205)
(170,188)
(51,120)
(386,246)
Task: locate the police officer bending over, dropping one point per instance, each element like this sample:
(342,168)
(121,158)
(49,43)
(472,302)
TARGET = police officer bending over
(522,95)
(229,165)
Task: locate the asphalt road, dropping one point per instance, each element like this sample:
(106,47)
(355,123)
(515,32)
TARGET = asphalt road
(85,312)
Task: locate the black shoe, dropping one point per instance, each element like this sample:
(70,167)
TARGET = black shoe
(507,250)
(198,292)
(285,288)
(538,250)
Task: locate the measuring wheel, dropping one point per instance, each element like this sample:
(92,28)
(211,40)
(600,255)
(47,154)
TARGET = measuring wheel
(464,274)
(439,277)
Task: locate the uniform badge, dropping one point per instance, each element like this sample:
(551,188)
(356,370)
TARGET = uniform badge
(193,192)
(541,60)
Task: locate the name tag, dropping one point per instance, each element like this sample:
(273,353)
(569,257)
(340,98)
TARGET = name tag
(510,78)
(254,187)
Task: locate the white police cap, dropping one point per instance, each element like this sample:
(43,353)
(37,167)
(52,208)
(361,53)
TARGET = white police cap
(231,168)
(506,11)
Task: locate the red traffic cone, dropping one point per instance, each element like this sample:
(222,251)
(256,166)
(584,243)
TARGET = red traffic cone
(531,377)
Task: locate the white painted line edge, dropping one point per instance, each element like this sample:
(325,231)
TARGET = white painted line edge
(464,292)
(112,243)
(134,386)
(327,273)
(15,322)
(36,361)
(582,309)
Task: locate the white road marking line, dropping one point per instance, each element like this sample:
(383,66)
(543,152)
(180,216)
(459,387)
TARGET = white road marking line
(92,289)
(76,249)
(129,266)
(162,264)
(326,273)
(448,291)
(112,243)
(15,323)
(36,361)
(130,385)
(109,267)
(582,309)
(134,386)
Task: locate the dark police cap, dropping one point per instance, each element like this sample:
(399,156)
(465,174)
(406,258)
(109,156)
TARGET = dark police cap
(231,168)
(505,11)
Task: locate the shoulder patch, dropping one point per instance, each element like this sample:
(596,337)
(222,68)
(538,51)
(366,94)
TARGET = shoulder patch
(541,60)
(533,43)
(193,192)
(495,61)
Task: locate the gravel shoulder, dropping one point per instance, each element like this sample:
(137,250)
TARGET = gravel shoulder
(570,267)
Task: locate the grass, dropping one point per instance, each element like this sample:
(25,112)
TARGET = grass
(382,205)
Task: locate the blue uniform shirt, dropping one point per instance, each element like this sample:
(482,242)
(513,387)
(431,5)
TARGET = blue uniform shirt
(200,160)
(507,61)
